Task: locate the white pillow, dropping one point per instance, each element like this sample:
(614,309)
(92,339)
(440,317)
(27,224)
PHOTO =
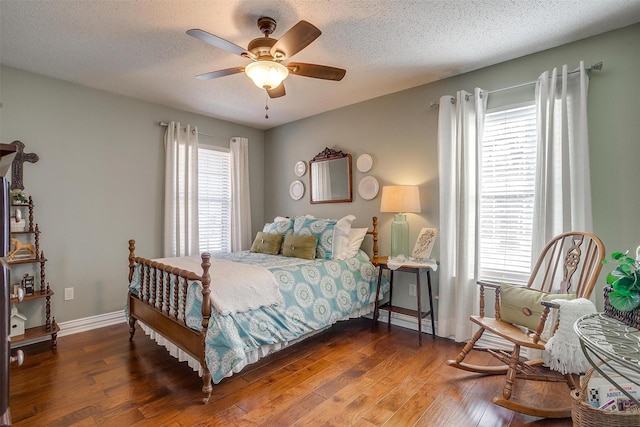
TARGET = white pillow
(356,236)
(341,236)
(281,218)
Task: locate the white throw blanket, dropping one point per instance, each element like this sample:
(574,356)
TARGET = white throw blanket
(235,287)
(562,351)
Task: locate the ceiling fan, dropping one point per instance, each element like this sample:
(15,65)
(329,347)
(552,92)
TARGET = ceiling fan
(267,70)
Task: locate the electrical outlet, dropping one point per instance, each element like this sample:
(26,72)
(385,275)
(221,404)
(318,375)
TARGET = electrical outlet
(68,294)
(412,289)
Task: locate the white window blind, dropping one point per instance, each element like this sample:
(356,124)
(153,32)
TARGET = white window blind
(507,184)
(214,199)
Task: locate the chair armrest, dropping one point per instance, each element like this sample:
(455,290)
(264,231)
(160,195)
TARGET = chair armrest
(496,288)
(489,284)
(548,305)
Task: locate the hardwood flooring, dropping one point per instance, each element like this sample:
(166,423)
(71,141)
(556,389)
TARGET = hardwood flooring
(346,376)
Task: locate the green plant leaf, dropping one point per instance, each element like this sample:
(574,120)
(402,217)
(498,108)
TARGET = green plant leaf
(615,275)
(617,255)
(626,269)
(624,302)
(625,285)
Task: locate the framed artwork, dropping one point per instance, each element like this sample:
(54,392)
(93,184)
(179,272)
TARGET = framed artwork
(424,243)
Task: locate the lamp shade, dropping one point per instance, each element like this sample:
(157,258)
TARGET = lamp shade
(266,74)
(400,198)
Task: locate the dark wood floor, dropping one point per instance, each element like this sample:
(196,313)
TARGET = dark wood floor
(347,376)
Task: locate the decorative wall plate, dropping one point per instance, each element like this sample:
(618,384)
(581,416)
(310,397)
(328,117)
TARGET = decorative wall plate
(364,163)
(368,187)
(300,168)
(296,190)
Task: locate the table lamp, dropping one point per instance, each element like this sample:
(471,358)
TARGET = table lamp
(399,199)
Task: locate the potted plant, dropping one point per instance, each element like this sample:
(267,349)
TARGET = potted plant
(624,281)
(18,197)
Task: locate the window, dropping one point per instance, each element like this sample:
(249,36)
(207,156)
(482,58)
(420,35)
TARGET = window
(214,199)
(506,193)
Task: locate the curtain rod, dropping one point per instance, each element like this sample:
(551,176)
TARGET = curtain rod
(164,124)
(594,67)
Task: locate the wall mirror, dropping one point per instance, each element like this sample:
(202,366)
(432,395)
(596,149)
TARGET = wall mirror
(330,177)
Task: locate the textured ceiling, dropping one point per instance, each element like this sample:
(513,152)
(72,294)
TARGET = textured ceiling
(140,49)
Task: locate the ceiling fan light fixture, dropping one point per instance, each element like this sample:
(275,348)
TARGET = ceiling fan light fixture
(266,74)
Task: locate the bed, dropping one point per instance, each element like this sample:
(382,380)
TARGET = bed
(224,312)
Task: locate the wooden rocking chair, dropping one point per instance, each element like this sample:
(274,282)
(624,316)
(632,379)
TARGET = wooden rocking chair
(573,260)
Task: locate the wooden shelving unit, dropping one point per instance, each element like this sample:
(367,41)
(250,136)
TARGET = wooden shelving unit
(31,236)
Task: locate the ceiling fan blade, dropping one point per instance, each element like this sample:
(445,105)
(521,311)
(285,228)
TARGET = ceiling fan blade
(220,73)
(316,71)
(277,92)
(220,43)
(297,38)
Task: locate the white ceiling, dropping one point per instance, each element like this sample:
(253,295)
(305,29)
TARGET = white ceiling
(140,49)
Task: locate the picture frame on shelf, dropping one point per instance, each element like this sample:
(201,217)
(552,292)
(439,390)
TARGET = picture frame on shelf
(28,284)
(424,243)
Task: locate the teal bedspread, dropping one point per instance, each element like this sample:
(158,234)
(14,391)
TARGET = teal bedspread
(317,293)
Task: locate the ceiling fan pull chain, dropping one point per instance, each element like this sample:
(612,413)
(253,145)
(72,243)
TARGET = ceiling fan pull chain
(266,106)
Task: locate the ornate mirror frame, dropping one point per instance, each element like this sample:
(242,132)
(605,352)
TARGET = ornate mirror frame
(333,167)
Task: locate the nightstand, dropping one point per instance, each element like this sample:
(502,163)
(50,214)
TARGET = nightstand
(382,263)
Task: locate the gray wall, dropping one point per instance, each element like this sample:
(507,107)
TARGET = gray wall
(99,182)
(400,132)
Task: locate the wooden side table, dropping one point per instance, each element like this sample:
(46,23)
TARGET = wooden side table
(382,262)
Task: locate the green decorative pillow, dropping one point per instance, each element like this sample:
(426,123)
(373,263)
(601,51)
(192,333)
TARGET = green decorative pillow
(266,243)
(280,225)
(521,306)
(300,246)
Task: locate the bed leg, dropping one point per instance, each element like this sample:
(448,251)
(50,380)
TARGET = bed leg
(132,327)
(206,385)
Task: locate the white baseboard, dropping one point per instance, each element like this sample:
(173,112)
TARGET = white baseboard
(405,321)
(81,325)
(92,322)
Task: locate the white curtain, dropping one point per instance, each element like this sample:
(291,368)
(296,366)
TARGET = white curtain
(181,190)
(563,186)
(459,131)
(241,237)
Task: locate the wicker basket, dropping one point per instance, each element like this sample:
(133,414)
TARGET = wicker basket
(585,415)
(629,318)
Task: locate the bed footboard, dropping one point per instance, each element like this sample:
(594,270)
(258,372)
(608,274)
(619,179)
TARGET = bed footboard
(162,306)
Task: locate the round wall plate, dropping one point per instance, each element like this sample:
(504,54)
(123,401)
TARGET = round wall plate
(368,187)
(364,163)
(300,168)
(296,190)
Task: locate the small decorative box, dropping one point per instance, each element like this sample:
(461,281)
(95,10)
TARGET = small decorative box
(17,225)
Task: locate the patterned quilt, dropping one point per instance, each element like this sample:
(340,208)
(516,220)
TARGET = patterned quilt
(317,293)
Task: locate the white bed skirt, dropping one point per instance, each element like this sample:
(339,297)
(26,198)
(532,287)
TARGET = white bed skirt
(252,356)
